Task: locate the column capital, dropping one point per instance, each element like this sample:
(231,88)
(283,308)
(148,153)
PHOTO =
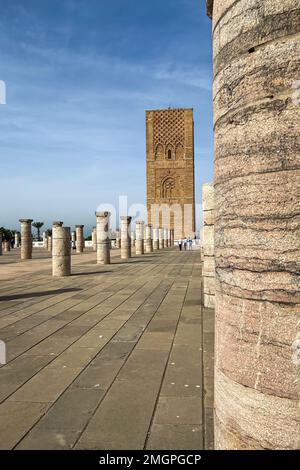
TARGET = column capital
(24,221)
(57,223)
(126,217)
(102,214)
(79,226)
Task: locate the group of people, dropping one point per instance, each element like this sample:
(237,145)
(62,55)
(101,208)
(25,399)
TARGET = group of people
(186,244)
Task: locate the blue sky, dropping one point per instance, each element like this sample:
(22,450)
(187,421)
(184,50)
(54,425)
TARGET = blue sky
(79,76)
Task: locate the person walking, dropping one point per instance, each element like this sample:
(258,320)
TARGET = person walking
(180,244)
(184,244)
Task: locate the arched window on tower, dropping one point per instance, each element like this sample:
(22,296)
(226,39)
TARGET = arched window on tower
(159,152)
(170,152)
(167,188)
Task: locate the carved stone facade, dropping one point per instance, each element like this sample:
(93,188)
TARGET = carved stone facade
(170,170)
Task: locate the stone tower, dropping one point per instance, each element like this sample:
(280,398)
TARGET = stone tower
(257,223)
(170,170)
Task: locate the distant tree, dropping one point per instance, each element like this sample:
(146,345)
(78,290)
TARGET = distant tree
(49,232)
(7,234)
(38,226)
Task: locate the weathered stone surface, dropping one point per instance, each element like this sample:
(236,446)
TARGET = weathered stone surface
(61,251)
(139,242)
(257,231)
(103,241)
(208,197)
(125,237)
(26,239)
(79,238)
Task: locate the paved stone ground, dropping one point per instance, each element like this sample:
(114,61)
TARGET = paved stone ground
(113,357)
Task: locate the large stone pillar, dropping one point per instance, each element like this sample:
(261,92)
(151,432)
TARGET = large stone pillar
(26,239)
(161,238)
(94,238)
(155,239)
(0,244)
(149,241)
(208,246)
(166,238)
(257,207)
(79,238)
(103,241)
(6,246)
(118,239)
(61,250)
(125,237)
(139,242)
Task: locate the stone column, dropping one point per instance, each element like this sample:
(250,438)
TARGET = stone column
(26,239)
(149,235)
(161,238)
(139,243)
(132,239)
(103,241)
(49,243)
(61,250)
(45,240)
(6,246)
(17,240)
(79,238)
(208,246)
(0,244)
(166,238)
(125,237)
(155,239)
(118,239)
(257,206)
(94,238)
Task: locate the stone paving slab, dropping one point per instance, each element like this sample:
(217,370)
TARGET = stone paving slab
(112,357)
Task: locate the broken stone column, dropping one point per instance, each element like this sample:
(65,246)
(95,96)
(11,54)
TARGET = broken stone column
(79,238)
(139,242)
(61,250)
(6,246)
(132,239)
(257,206)
(94,239)
(155,239)
(208,246)
(125,237)
(26,239)
(149,241)
(118,239)
(103,240)
(161,238)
